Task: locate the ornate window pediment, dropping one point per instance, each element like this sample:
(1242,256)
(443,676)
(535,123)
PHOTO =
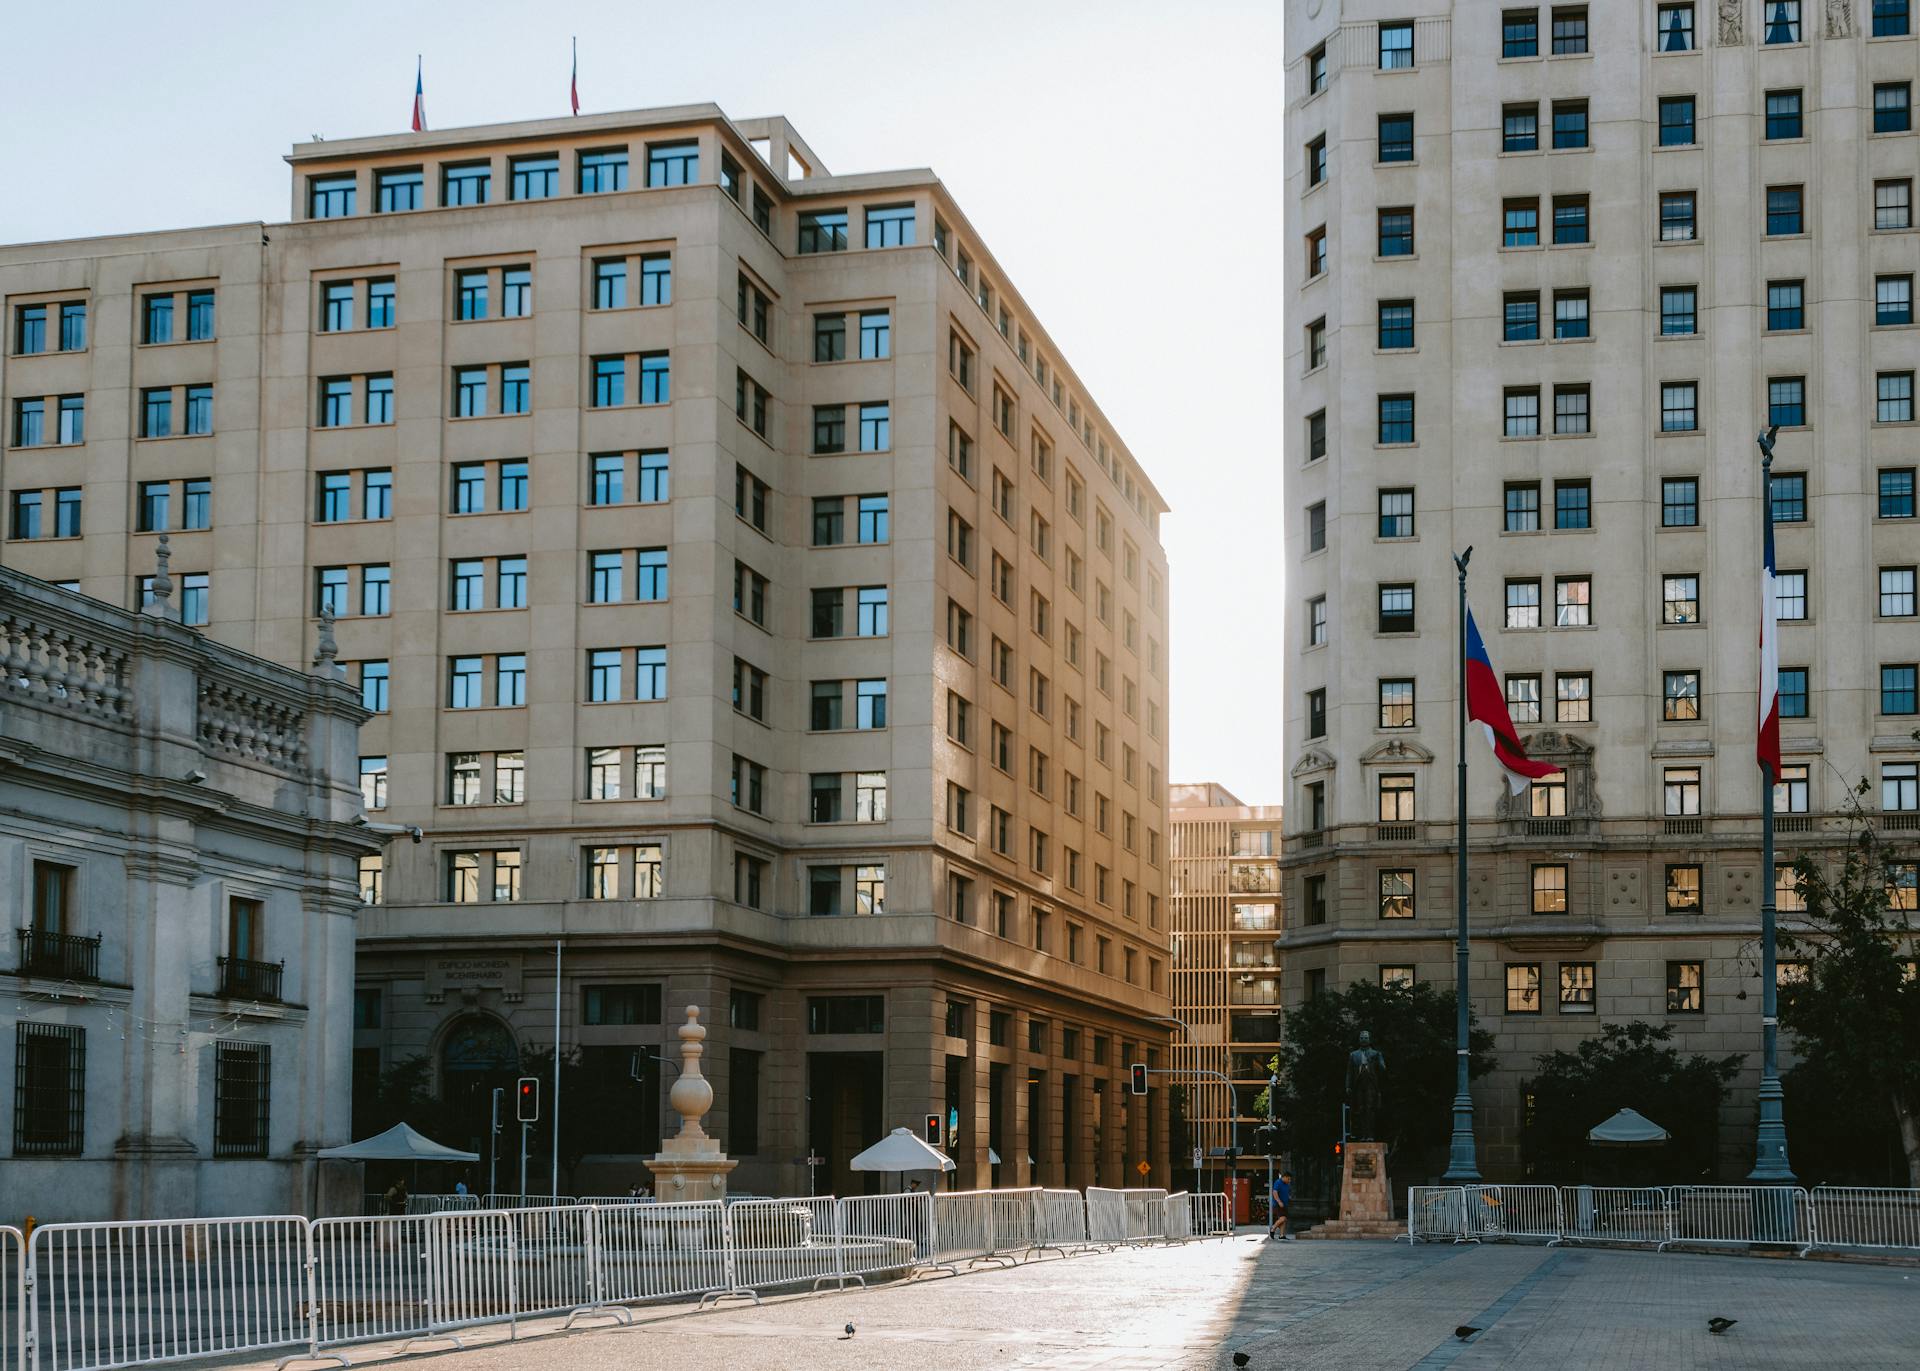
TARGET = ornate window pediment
(1574,756)
(1396,752)
(1312,760)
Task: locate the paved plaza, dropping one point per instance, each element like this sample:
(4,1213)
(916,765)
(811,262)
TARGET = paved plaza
(1302,1304)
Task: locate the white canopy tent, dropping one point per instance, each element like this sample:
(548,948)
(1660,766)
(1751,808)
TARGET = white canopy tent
(1628,1128)
(398,1144)
(902,1151)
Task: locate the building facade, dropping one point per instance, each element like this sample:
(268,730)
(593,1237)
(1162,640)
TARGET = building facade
(1547,277)
(749,597)
(1226,923)
(179,838)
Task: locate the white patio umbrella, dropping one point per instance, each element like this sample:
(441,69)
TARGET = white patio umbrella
(400,1143)
(1628,1128)
(903,1151)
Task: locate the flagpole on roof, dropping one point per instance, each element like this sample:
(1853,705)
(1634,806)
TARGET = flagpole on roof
(1462,1169)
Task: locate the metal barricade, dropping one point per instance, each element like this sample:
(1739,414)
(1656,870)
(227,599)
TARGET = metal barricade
(13,1298)
(120,1294)
(367,1280)
(1106,1216)
(662,1251)
(1738,1215)
(1615,1214)
(963,1225)
(1060,1221)
(1436,1213)
(1016,1221)
(1179,1220)
(882,1234)
(471,1271)
(1146,1215)
(1502,1212)
(440,1204)
(554,1261)
(1848,1216)
(607,1201)
(1210,1215)
(503,1201)
(774,1243)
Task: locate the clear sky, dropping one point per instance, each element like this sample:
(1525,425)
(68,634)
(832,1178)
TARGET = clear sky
(1122,159)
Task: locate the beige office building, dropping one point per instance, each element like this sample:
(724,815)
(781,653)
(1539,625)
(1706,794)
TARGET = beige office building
(751,599)
(1226,922)
(1549,269)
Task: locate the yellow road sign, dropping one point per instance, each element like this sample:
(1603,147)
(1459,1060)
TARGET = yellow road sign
(1143,1168)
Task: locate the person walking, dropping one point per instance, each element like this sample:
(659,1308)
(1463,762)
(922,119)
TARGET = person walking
(1277,1206)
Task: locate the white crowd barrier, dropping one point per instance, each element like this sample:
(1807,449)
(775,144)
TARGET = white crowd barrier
(502,1201)
(124,1294)
(1864,1217)
(89,1297)
(13,1302)
(1828,1218)
(441,1204)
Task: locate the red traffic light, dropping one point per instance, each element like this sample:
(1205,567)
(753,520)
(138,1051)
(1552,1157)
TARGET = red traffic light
(1138,1078)
(1337,1148)
(528,1106)
(933,1130)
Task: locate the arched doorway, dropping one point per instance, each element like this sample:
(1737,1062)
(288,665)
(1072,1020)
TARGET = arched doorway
(478,1055)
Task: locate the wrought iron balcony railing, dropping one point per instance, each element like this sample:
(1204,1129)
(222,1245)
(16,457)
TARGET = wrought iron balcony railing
(241,979)
(59,956)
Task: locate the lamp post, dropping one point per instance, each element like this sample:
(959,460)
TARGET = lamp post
(1462,1169)
(1770,1165)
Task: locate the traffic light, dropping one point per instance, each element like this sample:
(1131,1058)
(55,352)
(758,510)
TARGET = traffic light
(528,1109)
(1138,1078)
(1338,1148)
(933,1130)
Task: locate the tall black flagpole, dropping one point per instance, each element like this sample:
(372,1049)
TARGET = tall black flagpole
(1461,1166)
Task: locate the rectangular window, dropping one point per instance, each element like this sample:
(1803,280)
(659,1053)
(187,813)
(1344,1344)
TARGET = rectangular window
(1790,595)
(1520,128)
(1572,602)
(1576,987)
(1396,45)
(1571,409)
(1396,138)
(398,190)
(1792,692)
(156,319)
(1396,420)
(465,183)
(1680,695)
(1675,28)
(1573,698)
(1897,686)
(1523,988)
(1680,600)
(876,427)
(1523,699)
(1900,786)
(1676,120)
(1786,307)
(602,171)
(1679,408)
(1396,894)
(1521,224)
(1789,492)
(1787,401)
(1396,609)
(1677,223)
(1892,300)
(673,164)
(1317,161)
(1396,514)
(1893,107)
(1786,210)
(242,1097)
(1522,317)
(1570,219)
(1570,123)
(890,226)
(1677,311)
(823,231)
(1572,504)
(330,197)
(1686,988)
(1396,233)
(1783,114)
(1891,18)
(1549,890)
(1396,331)
(1520,33)
(1522,418)
(1896,492)
(1679,502)
(534,178)
(1317,713)
(1396,704)
(1892,205)
(1893,397)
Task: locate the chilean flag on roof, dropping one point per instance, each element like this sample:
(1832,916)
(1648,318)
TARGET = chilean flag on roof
(1487,706)
(1768,747)
(419,97)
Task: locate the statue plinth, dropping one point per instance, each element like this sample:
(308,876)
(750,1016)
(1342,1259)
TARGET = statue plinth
(690,1165)
(1366,1199)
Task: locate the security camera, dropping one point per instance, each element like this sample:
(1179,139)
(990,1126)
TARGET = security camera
(413,832)
(195,777)
(391,830)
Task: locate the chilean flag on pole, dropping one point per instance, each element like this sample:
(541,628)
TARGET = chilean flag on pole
(1768,748)
(419,98)
(1487,706)
(573,86)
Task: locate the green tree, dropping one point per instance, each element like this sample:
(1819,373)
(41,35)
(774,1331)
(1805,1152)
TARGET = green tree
(403,1093)
(1855,1018)
(1625,1066)
(1413,1026)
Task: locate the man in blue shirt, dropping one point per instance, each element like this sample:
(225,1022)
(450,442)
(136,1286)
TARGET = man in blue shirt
(1277,1205)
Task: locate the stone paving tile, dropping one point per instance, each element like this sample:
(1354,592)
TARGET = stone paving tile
(1353,1305)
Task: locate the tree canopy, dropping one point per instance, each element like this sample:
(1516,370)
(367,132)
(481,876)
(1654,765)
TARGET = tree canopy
(1413,1026)
(1625,1066)
(1854,1007)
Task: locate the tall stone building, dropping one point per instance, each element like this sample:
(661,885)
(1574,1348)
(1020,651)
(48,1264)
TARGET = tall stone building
(1547,276)
(751,600)
(1226,925)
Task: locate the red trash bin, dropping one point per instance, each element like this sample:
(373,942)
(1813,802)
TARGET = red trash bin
(1240,1199)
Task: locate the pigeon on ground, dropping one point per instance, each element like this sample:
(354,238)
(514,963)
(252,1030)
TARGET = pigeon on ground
(1716,1324)
(849,1333)
(1465,1331)
(1241,1359)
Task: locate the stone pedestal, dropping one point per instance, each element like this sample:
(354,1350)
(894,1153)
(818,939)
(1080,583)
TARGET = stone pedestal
(690,1165)
(1366,1200)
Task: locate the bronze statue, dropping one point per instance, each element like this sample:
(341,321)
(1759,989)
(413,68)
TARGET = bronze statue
(1366,1087)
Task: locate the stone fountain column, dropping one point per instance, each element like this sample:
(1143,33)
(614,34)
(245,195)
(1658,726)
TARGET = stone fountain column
(690,1165)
